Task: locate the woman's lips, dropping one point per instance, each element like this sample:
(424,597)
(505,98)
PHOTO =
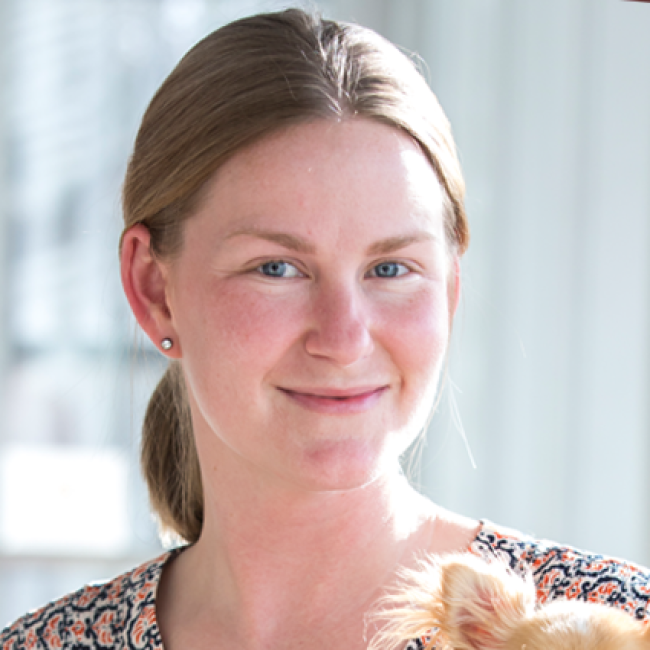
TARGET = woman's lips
(337,402)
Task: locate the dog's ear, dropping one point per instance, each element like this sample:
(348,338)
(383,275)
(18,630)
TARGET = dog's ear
(483,603)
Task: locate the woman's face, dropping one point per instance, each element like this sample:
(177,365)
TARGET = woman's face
(312,302)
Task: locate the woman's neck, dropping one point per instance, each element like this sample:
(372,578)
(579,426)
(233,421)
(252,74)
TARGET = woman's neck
(275,562)
(339,539)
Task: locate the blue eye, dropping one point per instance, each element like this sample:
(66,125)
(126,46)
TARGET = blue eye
(279,269)
(389,270)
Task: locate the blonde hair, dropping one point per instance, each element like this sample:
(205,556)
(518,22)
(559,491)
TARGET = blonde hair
(244,81)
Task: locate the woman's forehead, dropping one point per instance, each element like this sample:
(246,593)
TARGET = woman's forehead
(356,169)
(314,144)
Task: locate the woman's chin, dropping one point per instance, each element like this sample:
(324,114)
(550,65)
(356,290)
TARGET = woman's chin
(339,467)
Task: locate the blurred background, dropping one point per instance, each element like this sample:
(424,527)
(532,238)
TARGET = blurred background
(550,367)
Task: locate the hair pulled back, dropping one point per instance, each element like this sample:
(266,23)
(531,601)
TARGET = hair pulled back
(244,81)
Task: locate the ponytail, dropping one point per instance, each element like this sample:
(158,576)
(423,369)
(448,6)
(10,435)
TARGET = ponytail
(169,460)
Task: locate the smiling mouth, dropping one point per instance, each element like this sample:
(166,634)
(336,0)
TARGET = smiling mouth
(336,394)
(337,402)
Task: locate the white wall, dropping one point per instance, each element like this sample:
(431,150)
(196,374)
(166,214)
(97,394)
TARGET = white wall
(550,103)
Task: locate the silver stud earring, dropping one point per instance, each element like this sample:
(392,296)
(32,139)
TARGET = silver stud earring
(166,344)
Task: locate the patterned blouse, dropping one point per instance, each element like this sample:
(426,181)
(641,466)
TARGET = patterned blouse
(122,613)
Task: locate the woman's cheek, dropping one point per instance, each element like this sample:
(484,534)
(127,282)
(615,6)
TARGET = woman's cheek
(234,339)
(421,322)
(423,327)
(241,323)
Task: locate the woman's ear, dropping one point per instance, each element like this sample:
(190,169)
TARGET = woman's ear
(145,285)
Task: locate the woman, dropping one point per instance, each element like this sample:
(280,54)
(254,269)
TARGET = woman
(293,226)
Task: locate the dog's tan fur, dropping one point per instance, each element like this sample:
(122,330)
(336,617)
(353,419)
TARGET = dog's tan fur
(464,603)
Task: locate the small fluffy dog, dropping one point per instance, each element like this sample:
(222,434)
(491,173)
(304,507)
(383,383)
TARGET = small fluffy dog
(464,603)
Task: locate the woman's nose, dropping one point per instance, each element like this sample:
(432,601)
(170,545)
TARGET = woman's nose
(340,329)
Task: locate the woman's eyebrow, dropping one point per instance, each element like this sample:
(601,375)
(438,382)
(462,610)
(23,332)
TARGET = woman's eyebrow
(391,244)
(283,239)
(291,242)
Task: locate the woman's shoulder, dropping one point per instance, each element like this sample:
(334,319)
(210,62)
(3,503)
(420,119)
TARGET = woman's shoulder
(564,572)
(103,615)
